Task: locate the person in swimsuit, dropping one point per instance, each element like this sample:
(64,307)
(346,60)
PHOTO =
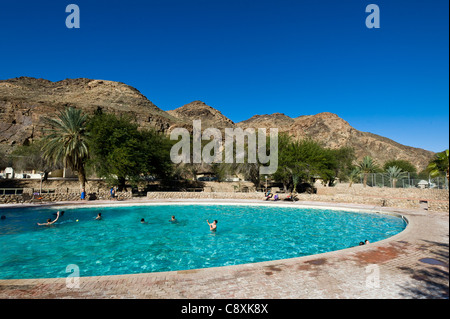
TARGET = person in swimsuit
(213,225)
(49,221)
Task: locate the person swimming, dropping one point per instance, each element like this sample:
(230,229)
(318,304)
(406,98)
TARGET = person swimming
(173,219)
(49,221)
(99,216)
(213,225)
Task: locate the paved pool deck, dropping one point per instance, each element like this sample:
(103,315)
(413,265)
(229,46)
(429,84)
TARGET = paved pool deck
(412,264)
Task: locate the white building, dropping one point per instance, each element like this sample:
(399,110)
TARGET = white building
(10,173)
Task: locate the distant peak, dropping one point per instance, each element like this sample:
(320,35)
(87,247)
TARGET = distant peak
(326,114)
(197,102)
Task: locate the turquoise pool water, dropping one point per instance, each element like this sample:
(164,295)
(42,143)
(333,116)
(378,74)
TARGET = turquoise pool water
(121,244)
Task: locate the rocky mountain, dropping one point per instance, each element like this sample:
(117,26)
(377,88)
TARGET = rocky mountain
(279,120)
(24,101)
(209,116)
(334,132)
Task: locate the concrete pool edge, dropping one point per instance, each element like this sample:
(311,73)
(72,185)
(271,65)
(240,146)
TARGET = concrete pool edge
(143,283)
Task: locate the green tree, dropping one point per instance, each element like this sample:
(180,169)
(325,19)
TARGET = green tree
(345,157)
(305,159)
(354,175)
(395,173)
(67,142)
(404,165)
(367,166)
(121,152)
(439,163)
(286,160)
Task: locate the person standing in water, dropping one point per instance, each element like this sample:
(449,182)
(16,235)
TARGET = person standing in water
(213,225)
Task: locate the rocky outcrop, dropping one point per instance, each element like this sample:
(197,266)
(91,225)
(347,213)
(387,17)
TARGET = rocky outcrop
(278,120)
(334,132)
(24,101)
(198,110)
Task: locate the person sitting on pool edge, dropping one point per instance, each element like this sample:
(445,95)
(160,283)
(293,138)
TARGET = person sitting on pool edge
(213,225)
(268,195)
(49,221)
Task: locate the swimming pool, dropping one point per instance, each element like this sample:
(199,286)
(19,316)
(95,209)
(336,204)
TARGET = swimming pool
(121,244)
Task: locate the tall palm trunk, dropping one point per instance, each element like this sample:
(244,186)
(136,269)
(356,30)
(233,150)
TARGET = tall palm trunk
(82,178)
(394,182)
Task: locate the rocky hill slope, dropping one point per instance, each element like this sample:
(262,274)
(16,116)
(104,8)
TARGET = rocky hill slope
(334,132)
(24,101)
(209,116)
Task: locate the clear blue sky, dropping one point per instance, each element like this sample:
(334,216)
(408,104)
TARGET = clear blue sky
(247,57)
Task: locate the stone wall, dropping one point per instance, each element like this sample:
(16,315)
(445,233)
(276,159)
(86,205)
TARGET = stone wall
(359,190)
(203,195)
(60,196)
(414,198)
(228,187)
(436,200)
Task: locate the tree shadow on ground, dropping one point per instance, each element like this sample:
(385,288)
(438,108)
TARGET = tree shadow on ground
(176,186)
(431,275)
(12,183)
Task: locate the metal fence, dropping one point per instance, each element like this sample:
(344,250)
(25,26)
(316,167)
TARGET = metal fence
(383,180)
(11,191)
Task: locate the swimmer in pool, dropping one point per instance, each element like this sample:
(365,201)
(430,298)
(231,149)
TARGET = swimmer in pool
(99,216)
(213,225)
(49,221)
(173,220)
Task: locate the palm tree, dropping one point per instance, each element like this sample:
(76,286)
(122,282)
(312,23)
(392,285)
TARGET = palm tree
(439,164)
(367,166)
(395,173)
(66,141)
(353,175)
